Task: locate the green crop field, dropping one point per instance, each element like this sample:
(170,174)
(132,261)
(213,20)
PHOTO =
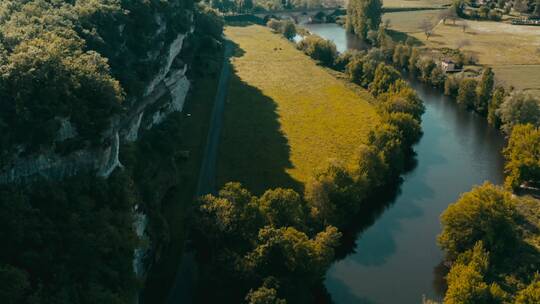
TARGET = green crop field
(415,3)
(285,116)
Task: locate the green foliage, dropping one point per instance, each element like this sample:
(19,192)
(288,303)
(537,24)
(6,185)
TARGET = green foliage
(209,21)
(498,97)
(484,91)
(413,61)
(401,56)
(363,16)
(76,60)
(486,214)
(466,282)
(264,295)
(385,76)
(319,49)
(437,77)
(519,108)
(409,127)
(522,156)
(467,93)
(13,284)
(69,242)
(263,237)
(425,66)
(451,86)
(285,27)
(530,294)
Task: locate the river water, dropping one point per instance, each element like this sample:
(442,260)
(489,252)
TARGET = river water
(396,260)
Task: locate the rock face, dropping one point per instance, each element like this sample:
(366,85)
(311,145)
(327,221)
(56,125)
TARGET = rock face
(170,84)
(164,94)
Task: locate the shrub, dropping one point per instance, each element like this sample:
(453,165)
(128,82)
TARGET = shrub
(319,49)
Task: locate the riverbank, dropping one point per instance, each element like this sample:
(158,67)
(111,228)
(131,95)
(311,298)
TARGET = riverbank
(396,255)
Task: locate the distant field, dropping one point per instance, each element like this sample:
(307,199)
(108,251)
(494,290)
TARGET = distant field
(415,3)
(513,51)
(408,22)
(522,77)
(285,116)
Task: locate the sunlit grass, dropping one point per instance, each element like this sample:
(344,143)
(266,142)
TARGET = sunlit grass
(285,116)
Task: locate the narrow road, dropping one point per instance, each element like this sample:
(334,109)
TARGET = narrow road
(207,175)
(183,287)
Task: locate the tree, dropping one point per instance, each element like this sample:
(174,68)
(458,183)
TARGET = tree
(530,294)
(13,284)
(426,25)
(484,91)
(287,252)
(536,11)
(522,156)
(519,108)
(283,208)
(486,214)
(413,60)
(288,29)
(438,77)
(363,16)
(497,100)
(401,56)
(451,86)
(425,67)
(264,295)
(466,283)
(467,93)
(385,76)
(319,49)
(408,126)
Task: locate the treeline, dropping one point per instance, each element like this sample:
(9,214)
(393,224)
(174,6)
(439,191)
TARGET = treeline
(78,60)
(490,238)
(277,247)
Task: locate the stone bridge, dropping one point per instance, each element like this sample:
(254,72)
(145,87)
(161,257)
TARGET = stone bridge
(298,14)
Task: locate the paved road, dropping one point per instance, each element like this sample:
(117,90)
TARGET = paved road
(182,290)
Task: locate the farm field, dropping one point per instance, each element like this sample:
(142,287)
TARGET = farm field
(513,51)
(285,116)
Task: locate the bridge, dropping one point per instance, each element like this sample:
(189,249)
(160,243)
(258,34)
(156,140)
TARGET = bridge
(296,13)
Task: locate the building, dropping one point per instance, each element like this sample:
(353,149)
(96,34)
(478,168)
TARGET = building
(448,66)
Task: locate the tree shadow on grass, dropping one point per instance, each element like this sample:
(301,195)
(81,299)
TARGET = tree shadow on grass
(402,37)
(253,149)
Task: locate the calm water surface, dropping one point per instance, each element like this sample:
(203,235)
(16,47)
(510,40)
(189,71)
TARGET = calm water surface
(396,259)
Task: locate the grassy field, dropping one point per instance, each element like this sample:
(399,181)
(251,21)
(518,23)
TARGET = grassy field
(415,3)
(285,116)
(513,51)
(408,22)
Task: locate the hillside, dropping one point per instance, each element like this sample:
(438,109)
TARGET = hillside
(286,116)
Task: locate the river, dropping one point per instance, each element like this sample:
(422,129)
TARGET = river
(396,260)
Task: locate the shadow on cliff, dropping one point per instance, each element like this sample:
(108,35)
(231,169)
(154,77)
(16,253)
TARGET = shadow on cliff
(253,149)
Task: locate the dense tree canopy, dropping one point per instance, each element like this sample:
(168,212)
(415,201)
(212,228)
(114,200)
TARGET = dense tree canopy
(363,16)
(485,214)
(523,156)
